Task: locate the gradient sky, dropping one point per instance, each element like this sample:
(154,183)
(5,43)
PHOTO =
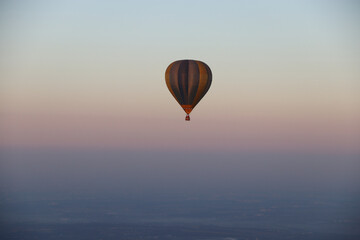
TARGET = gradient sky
(90,75)
(84,108)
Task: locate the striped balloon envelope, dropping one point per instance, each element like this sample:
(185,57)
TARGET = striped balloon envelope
(188,81)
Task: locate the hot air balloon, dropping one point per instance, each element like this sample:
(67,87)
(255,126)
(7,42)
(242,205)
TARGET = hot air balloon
(188,81)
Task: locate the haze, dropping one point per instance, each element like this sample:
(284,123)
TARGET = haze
(85,112)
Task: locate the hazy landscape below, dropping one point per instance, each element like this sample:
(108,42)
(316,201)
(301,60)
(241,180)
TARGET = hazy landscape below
(153,195)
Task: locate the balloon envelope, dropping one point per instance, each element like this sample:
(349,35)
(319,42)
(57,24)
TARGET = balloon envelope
(188,81)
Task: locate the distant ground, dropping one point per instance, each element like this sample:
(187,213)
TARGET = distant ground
(267,216)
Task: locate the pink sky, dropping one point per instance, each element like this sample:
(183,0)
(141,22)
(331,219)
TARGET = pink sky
(282,80)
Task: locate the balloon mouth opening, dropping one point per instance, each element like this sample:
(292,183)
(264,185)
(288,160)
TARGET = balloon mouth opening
(187,108)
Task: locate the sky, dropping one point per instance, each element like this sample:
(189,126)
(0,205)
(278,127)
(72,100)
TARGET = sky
(89,76)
